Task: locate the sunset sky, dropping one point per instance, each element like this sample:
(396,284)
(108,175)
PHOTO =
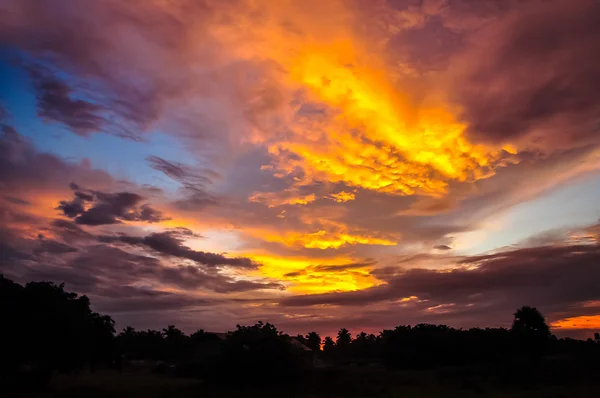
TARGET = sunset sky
(312,163)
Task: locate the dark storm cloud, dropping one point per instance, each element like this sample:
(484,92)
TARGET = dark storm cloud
(53,247)
(123,96)
(180,172)
(68,230)
(17,201)
(193,183)
(343,267)
(84,196)
(536,72)
(442,247)
(109,208)
(55,103)
(108,273)
(134,300)
(190,277)
(25,170)
(552,277)
(170,243)
(198,200)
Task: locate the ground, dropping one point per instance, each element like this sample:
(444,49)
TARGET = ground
(356,383)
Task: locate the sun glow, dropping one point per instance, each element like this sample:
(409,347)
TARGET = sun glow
(311,275)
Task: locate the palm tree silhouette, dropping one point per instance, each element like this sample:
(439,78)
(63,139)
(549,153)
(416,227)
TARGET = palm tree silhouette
(313,341)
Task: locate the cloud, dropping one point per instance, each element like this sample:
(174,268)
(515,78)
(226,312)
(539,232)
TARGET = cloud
(25,170)
(193,183)
(105,272)
(17,201)
(109,208)
(557,279)
(182,173)
(530,77)
(55,104)
(53,247)
(171,243)
(68,230)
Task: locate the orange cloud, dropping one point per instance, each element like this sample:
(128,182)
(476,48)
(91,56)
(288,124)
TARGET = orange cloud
(326,240)
(315,275)
(273,199)
(578,322)
(370,131)
(342,196)
(327,234)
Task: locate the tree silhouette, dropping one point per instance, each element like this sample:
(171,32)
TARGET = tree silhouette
(313,341)
(530,330)
(128,332)
(175,340)
(172,333)
(51,329)
(328,346)
(528,320)
(199,336)
(343,340)
(301,339)
(258,354)
(364,346)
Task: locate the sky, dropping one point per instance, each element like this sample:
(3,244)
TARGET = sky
(313,164)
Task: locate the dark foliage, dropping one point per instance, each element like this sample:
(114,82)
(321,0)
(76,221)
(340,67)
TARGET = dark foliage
(313,341)
(46,329)
(50,330)
(258,354)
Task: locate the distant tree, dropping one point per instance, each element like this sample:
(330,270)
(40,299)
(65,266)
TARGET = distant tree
(530,330)
(175,343)
(172,333)
(364,346)
(301,339)
(199,336)
(343,340)
(528,320)
(328,346)
(258,354)
(313,341)
(52,329)
(128,332)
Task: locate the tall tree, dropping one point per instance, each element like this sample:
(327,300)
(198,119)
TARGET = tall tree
(528,320)
(51,329)
(313,341)
(343,340)
(328,346)
(530,331)
(172,333)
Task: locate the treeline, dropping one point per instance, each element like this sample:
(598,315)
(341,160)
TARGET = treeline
(46,329)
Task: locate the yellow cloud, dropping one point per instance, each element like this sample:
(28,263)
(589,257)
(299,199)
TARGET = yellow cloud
(274,199)
(327,234)
(326,240)
(342,196)
(304,275)
(372,133)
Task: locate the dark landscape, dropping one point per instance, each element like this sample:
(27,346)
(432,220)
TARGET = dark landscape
(57,346)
